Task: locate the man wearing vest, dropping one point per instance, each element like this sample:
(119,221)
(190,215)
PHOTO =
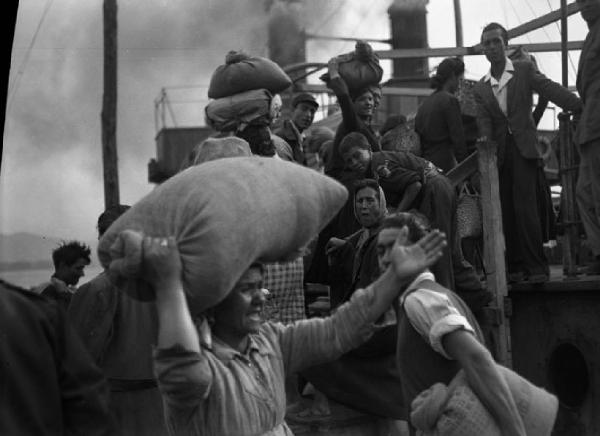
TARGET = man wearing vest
(438,335)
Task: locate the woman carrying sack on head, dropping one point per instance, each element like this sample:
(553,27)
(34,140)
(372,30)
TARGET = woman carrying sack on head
(226,377)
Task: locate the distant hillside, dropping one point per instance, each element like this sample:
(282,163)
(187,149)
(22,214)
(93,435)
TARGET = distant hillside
(27,250)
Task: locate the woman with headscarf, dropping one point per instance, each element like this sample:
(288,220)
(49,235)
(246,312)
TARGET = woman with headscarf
(353,259)
(439,121)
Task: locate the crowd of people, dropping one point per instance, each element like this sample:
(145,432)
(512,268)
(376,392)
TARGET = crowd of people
(403,302)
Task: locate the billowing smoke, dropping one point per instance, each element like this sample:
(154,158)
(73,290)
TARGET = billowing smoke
(51,178)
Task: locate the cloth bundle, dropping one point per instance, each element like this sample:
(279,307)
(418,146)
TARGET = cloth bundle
(245,91)
(455,410)
(359,69)
(224,214)
(235,112)
(242,73)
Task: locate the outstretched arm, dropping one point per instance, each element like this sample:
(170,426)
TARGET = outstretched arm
(317,340)
(553,91)
(485,380)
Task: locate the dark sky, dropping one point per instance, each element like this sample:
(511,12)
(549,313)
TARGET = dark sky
(51,184)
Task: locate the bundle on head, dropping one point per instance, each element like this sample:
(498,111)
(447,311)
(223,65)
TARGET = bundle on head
(360,69)
(242,72)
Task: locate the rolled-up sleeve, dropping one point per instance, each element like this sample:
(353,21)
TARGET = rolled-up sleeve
(184,377)
(433,316)
(318,340)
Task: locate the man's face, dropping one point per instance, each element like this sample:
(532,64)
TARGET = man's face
(70,274)
(357,160)
(494,47)
(366,203)
(590,11)
(364,104)
(385,242)
(241,311)
(303,115)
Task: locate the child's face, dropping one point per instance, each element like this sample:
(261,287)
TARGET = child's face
(357,159)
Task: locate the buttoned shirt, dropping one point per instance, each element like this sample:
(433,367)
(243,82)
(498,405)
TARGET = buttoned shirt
(220,391)
(432,314)
(499,87)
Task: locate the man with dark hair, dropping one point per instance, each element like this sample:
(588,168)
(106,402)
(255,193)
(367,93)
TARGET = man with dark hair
(69,259)
(588,130)
(304,106)
(504,115)
(438,334)
(119,332)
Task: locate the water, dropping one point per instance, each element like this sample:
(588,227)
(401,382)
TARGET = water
(28,278)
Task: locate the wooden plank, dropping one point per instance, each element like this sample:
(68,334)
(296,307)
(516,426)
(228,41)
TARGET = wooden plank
(493,246)
(408,53)
(542,21)
(464,170)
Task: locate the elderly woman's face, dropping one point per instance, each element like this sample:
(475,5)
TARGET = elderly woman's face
(241,311)
(367,206)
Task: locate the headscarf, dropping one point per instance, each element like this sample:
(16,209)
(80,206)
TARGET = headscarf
(366,233)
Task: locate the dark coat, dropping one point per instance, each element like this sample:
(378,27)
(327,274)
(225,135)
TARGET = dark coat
(588,86)
(50,385)
(495,125)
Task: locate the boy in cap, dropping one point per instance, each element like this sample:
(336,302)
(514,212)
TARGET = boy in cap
(304,106)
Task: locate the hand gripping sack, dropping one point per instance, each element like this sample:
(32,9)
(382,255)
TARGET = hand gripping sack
(242,73)
(359,68)
(228,114)
(226,214)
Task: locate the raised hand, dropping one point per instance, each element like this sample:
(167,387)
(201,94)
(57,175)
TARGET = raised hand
(161,263)
(409,260)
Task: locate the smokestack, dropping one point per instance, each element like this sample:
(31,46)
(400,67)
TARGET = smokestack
(408,20)
(287,40)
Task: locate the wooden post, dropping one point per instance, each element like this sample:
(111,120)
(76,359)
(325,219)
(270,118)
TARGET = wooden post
(458,23)
(567,171)
(493,247)
(564,39)
(109,106)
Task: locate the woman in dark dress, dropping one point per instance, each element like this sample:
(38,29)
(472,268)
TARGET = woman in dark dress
(439,122)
